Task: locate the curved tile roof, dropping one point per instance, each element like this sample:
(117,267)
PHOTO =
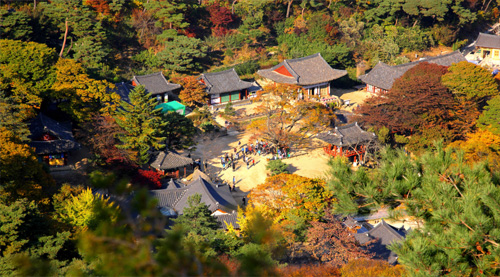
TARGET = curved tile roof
(384,75)
(224,81)
(346,135)
(488,41)
(43,124)
(169,160)
(303,71)
(155,83)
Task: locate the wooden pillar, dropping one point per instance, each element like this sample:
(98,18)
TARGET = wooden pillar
(341,153)
(184,171)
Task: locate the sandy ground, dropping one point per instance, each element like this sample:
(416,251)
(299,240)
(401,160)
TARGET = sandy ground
(355,97)
(311,163)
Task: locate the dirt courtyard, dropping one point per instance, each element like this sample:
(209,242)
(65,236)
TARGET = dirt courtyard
(311,163)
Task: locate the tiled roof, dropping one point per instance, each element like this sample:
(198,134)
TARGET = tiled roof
(346,135)
(384,234)
(384,75)
(488,41)
(304,71)
(43,124)
(229,218)
(172,184)
(224,81)
(167,197)
(123,89)
(168,159)
(215,197)
(155,83)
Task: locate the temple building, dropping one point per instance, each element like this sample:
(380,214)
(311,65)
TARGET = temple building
(225,86)
(347,141)
(382,76)
(158,86)
(312,73)
(52,140)
(171,164)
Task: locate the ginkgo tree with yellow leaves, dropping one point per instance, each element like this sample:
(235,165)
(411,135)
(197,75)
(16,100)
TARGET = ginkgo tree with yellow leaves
(81,95)
(287,121)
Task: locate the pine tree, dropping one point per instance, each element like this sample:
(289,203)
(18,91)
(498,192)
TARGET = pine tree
(142,124)
(490,116)
(457,204)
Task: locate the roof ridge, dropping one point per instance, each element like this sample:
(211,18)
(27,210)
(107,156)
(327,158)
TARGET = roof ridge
(219,72)
(148,75)
(305,58)
(388,226)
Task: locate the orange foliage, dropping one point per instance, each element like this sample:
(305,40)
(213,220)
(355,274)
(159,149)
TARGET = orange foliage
(310,270)
(192,92)
(20,172)
(367,268)
(479,146)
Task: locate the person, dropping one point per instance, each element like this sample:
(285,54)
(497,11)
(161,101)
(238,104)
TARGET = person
(234,182)
(234,165)
(237,156)
(223,165)
(247,163)
(253,162)
(239,143)
(243,201)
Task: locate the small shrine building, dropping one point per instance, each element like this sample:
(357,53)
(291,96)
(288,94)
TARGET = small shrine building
(347,141)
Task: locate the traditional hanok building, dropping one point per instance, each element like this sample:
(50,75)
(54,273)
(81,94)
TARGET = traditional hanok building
(52,140)
(347,141)
(158,86)
(225,86)
(218,198)
(171,163)
(382,76)
(381,236)
(487,49)
(312,73)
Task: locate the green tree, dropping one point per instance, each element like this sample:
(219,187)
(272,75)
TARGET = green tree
(142,124)
(26,235)
(13,119)
(456,203)
(277,167)
(182,54)
(26,72)
(15,25)
(491,114)
(178,131)
(469,81)
(196,218)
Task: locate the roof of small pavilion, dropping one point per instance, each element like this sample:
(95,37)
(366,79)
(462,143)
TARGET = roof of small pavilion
(168,159)
(303,71)
(224,81)
(350,134)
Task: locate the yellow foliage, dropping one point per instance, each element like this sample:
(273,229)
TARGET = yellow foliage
(86,209)
(84,95)
(480,146)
